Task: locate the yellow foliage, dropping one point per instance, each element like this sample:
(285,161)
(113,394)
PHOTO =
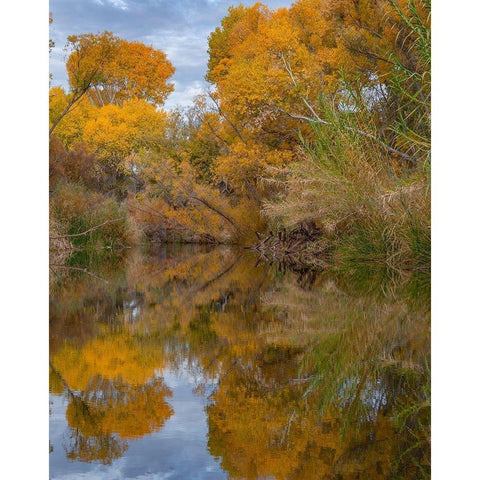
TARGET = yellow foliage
(70,129)
(116,70)
(246,163)
(114,132)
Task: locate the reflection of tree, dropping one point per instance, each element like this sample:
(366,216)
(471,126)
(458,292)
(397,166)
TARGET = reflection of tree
(101,447)
(362,358)
(80,303)
(114,394)
(95,445)
(118,407)
(245,332)
(262,426)
(108,413)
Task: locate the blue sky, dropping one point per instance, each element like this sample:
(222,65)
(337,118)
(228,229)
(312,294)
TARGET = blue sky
(180,28)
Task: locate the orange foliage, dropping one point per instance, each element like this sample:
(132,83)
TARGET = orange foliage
(117,407)
(118,70)
(271,67)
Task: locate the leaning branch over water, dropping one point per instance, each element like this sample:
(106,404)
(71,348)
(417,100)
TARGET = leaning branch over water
(216,210)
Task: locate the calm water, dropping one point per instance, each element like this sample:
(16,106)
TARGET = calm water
(196,363)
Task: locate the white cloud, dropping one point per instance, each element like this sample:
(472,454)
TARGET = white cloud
(183,95)
(179,28)
(121,4)
(185,48)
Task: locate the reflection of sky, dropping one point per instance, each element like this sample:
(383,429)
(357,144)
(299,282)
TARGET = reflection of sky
(177,451)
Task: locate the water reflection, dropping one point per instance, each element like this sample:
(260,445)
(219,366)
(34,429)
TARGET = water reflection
(289,374)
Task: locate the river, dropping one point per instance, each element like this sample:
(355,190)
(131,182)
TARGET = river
(195,362)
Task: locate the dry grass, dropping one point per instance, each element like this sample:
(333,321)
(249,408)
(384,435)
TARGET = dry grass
(369,186)
(79,209)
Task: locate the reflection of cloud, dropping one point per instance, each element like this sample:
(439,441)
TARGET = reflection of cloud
(156,476)
(178,451)
(179,28)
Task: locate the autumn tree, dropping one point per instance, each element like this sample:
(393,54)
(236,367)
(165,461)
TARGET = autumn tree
(114,137)
(271,67)
(112,70)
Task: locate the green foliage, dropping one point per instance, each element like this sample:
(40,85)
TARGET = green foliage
(410,82)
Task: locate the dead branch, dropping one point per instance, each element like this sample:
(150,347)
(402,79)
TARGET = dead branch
(86,231)
(222,114)
(321,121)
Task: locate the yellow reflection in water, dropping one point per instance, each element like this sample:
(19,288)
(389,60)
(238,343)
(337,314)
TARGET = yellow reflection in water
(304,378)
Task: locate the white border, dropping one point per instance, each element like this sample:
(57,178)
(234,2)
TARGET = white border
(24,200)
(24,239)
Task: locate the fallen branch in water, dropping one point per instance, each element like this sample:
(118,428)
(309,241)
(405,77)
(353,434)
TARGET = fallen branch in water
(303,250)
(286,243)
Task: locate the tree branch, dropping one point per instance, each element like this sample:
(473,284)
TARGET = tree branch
(75,99)
(78,93)
(211,207)
(319,120)
(235,129)
(86,231)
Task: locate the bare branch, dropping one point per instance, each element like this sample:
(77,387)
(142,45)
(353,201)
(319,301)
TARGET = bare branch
(214,209)
(76,97)
(220,112)
(86,231)
(319,120)
(304,100)
(77,93)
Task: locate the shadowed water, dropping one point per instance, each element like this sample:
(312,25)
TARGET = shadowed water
(198,363)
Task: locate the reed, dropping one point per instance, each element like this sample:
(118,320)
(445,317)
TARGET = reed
(364,176)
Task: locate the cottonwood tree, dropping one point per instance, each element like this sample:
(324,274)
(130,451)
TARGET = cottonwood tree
(112,70)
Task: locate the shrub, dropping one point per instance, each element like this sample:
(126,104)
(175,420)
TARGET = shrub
(79,210)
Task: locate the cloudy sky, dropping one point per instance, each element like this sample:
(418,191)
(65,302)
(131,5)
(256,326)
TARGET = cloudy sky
(178,27)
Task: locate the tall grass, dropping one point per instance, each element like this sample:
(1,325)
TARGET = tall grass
(366,181)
